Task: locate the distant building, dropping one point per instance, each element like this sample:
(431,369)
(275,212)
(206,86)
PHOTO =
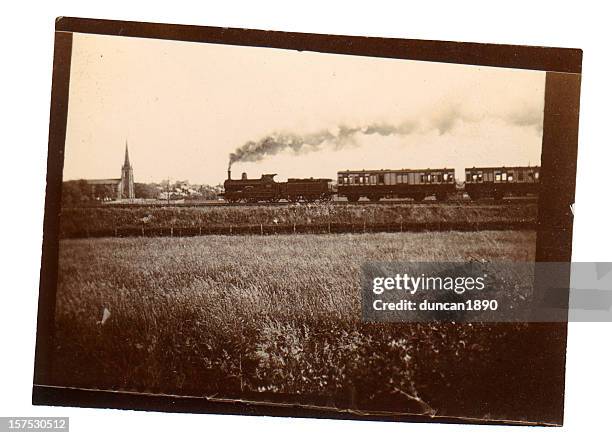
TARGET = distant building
(115,188)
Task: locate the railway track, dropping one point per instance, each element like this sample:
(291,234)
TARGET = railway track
(213,204)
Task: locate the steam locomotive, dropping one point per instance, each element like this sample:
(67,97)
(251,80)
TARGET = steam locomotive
(266,189)
(480,182)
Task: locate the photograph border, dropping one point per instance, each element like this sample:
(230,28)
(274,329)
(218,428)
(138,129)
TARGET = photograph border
(558,179)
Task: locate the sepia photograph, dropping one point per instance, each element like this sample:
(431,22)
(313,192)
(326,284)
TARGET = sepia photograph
(218,203)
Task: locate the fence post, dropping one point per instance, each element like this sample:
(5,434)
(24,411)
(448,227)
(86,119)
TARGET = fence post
(294,228)
(115,231)
(142,230)
(261,229)
(329,228)
(171,231)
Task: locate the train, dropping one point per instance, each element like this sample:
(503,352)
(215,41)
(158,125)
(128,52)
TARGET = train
(374,185)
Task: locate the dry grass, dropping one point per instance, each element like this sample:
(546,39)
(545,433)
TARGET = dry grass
(244,315)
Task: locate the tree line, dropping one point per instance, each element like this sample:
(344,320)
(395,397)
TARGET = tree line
(79,192)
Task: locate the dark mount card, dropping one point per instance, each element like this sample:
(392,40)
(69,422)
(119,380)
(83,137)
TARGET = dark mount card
(213,193)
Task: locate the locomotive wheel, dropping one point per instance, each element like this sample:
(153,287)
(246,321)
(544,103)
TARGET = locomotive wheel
(418,197)
(374,198)
(498,196)
(353,198)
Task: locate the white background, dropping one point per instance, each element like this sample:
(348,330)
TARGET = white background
(26,53)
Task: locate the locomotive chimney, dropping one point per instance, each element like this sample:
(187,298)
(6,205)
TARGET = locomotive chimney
(229,173)
(244,175)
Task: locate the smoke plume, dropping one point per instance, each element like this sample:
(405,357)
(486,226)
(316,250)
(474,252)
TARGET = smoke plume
(338,138)
(443,122)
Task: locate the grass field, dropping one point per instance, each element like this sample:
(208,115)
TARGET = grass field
(105,219)
(254,316)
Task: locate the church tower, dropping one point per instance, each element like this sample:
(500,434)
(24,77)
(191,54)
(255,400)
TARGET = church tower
(127,177)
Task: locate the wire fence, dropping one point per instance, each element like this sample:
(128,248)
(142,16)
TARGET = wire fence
(270,229)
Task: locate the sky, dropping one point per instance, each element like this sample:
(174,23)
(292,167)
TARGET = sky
(184,107)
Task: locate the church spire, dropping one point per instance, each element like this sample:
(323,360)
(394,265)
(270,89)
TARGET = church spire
(126,186)
(126,162)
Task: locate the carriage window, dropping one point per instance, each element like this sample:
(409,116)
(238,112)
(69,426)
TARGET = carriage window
(510,176)
(446,177)
(497,176)
(451,176)
(474,177)
(537,175)
(428,177)
(521,176)
(422,178)
(504,176)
